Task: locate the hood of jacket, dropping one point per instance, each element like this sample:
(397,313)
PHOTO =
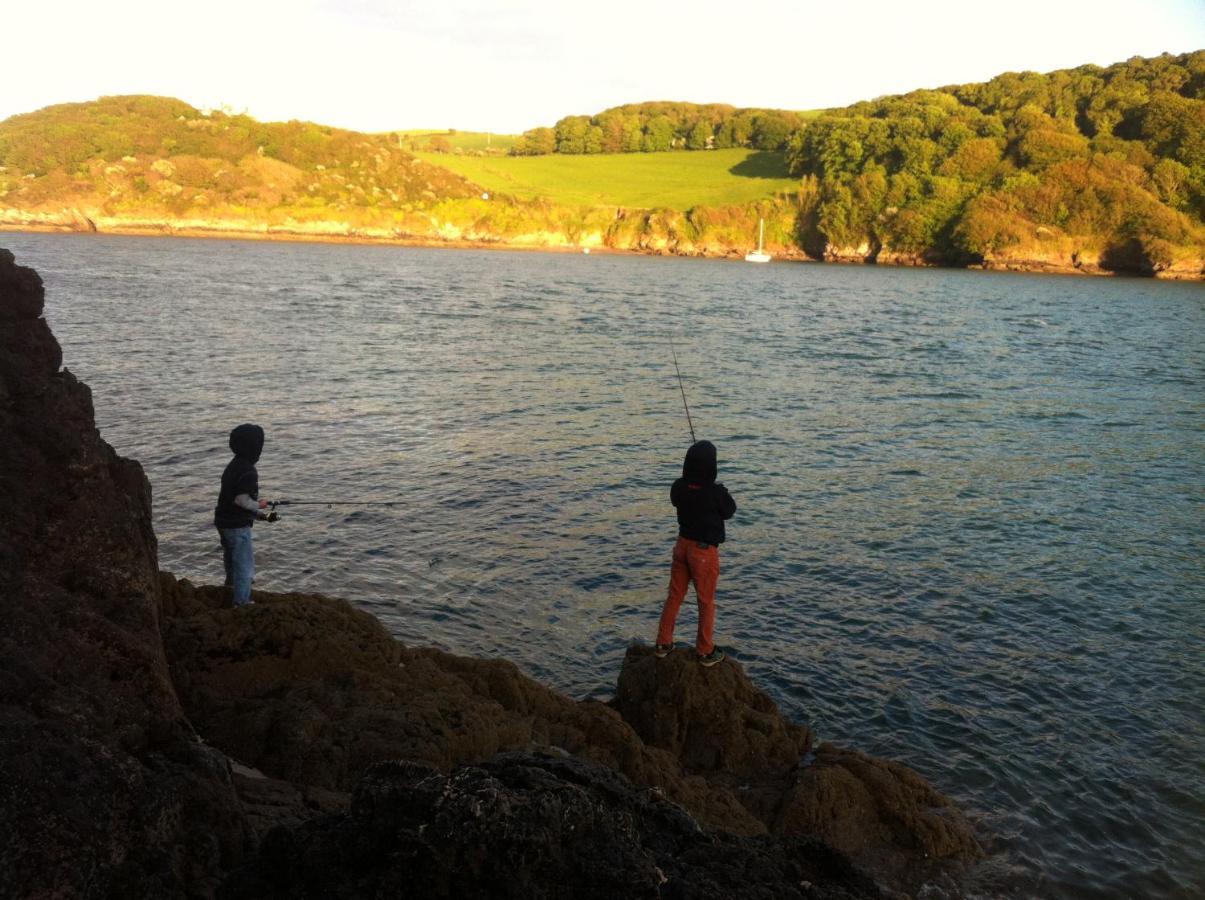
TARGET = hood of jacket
(247,441)
(700,465)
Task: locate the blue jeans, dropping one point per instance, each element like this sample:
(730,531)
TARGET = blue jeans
(239,559)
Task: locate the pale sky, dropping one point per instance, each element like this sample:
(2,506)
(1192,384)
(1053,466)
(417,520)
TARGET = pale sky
(511,65)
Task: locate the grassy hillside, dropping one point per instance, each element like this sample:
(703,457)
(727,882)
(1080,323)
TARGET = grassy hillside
(139,154)
(481,143)
(641,180)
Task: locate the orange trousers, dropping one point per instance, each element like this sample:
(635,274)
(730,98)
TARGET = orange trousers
(692,563)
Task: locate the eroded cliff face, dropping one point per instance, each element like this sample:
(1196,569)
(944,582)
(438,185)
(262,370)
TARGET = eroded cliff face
(158,743)
(104,787)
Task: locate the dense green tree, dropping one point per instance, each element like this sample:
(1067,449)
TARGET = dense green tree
(633,134)
(975,160)
(1117,101)
(699,136)
(1044,147)
(571,133)
(612,127)
(772,129)
(658,135)
(536,142)
(991,224)
(1171,181)
(1170,125)
(736,130)
(953,135)
(593,142)
(839,219)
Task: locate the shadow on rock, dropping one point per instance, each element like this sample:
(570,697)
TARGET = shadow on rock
(529,826)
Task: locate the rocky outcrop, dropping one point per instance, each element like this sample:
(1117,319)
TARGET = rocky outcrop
(711,720)
(311,691)
(157,743)
(880,813)
(531,826)
(859,253)
(104,787)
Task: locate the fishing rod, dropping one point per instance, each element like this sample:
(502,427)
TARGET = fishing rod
(446,582)
(276,503)
(685,405)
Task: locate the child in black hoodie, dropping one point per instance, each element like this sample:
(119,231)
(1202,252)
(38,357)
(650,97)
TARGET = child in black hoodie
(702,506)
(237,509)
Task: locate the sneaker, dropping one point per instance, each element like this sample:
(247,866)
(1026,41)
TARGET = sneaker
(662,650)
(715,656)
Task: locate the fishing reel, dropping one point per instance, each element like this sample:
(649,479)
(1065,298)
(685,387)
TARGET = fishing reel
(271,516)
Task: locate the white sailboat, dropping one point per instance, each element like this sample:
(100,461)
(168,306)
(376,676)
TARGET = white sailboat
(759,255)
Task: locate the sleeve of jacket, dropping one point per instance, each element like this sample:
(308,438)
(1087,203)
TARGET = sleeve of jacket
(726,503)
(248,484)
(675,492)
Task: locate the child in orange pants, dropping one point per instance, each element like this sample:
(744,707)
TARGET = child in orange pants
(703,505)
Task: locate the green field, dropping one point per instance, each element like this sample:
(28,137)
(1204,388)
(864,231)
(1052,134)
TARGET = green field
(676,180)
(467,141)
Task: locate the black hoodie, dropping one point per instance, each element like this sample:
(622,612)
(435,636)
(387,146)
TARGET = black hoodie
(240,477)
(702,504)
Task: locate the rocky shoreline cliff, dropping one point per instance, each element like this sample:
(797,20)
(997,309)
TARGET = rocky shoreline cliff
(650,232)
(158,743)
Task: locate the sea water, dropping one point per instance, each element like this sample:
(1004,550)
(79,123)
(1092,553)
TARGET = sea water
(969,534)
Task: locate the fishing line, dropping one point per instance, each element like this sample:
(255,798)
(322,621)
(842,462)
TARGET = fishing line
(446,580)
(682,388)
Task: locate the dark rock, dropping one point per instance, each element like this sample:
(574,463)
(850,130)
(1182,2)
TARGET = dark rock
(268,803)
(21,293)
(104,786)
(717,723)
(710,719)
(884,815)
(529,826)
(310,690)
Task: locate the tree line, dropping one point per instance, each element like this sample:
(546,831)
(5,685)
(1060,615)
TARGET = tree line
(662,126)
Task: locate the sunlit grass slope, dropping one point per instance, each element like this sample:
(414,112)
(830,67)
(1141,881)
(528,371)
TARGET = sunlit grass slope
(679,180)
(469,141)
